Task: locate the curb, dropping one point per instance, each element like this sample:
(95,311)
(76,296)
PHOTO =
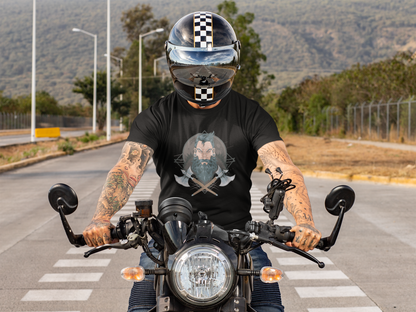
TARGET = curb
(359,177)
(31,161)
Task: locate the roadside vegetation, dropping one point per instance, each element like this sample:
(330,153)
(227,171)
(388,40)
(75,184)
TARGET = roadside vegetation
(15,153)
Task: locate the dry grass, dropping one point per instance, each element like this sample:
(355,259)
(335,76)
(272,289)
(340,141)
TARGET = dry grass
(11,154)
(323,154)
(308,153)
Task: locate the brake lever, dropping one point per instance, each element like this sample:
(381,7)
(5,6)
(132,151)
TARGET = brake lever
(287,248)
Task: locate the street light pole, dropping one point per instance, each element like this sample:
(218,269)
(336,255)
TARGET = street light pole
(94,101)
(33,116)
(108,75)
(120,60)
(154,64)
(140,64)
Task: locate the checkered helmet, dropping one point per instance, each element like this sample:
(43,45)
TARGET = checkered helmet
(203,56)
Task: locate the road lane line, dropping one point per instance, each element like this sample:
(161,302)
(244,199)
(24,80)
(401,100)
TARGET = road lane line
(330,292)
(353,309)
(58,295)
(73,263)
(315,275)
(71,277)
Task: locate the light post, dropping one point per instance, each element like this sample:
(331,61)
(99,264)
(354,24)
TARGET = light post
(33,108)
(94,101)
(120,60)
(154,64)
(140,64)
(108,73)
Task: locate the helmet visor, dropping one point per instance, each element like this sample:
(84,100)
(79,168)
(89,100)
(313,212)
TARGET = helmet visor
(203,68)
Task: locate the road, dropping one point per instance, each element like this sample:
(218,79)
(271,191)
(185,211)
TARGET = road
(372,267)
(25,138)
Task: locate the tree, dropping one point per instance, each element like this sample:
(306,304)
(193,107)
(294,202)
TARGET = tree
(45,104)
(139,20)
(86,88)
(250,80)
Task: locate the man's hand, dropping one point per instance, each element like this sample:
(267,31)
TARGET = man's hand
(120,183)
(98,233)
(306,237)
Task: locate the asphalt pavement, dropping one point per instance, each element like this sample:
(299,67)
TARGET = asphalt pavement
(372,267)
(14,139)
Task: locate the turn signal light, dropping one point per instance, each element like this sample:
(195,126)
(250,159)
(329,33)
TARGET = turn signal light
(135,274)
(270,275)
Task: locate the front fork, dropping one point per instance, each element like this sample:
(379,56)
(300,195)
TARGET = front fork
(239,302)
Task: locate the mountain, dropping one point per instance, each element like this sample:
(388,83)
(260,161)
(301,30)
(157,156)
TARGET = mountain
(300,38)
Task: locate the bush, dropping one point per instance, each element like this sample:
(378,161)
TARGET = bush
(66,147)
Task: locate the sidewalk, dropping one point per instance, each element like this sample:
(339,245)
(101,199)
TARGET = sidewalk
(404,147)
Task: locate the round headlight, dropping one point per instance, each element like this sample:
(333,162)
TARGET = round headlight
(202,275)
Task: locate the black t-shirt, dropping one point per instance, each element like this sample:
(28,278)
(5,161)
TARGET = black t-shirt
(207,156)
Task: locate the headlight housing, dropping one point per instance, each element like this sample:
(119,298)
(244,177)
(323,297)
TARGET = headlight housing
(202,275)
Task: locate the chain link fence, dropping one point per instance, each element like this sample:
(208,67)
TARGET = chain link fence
(10,121)
(382,121)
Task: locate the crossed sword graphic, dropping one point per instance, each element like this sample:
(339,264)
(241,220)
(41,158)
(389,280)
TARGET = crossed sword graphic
(205,187)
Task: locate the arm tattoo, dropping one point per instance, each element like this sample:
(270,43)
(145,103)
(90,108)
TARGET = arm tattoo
(274,155)
(122,179)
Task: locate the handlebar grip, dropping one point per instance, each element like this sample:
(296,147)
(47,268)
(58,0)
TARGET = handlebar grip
(113,233)
(284,235)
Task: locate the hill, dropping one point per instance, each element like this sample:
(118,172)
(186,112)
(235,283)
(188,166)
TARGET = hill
(300,38)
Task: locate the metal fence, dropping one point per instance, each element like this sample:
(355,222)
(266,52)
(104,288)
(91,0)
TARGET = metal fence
(10,121)
(385,121)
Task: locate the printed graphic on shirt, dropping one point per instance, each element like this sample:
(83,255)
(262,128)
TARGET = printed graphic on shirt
(204,164)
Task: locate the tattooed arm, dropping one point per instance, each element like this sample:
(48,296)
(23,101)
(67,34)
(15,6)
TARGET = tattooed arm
(120,183)
(297,202)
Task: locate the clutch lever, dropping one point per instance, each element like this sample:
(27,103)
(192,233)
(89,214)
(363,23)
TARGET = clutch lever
(132,241)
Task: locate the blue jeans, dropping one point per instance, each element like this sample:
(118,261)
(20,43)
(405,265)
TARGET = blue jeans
(264,298)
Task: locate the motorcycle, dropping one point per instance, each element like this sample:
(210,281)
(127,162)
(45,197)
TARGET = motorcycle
(201,266)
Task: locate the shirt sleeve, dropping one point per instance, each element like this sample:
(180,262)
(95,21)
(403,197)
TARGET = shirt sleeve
(146,128)
(263,128)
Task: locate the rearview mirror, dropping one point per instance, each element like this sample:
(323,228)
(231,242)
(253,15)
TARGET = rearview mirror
(63,196)
(340,196)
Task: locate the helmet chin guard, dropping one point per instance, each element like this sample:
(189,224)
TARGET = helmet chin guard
(203,56)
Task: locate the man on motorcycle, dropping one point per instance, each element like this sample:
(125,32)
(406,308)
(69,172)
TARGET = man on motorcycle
(205,139)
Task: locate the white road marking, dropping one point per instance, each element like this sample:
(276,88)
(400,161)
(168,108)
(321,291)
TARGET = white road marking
(354,309)
(71,277)
(73,263)
(301,261)
(330,292)
(315,275)
(58,295)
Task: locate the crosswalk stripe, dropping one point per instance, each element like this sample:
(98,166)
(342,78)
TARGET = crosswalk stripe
(315,275)
(72,263)
(301,261)
(353,309)
(71,277)
(58,295)
(330,292)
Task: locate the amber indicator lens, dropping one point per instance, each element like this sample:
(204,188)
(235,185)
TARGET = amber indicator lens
(135,274)
(270,275)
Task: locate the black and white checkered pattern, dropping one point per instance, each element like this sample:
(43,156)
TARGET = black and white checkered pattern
(204,94)
(203,30)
